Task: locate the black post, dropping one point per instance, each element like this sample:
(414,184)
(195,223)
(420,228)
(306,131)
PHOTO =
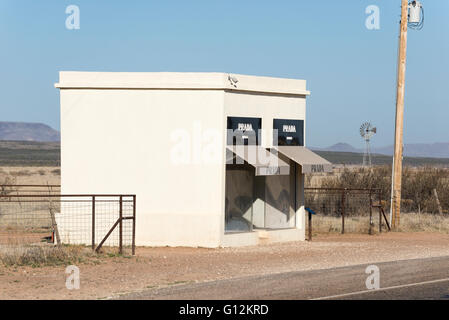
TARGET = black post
(134,226)
(121,225)
(310,226)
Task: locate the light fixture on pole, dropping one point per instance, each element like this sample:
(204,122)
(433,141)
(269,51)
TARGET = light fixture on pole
(415,15)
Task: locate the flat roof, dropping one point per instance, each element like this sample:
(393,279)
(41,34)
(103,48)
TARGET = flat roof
(180,81)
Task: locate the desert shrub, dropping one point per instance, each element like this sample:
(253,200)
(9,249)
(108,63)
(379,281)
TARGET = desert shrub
(417,185)
(41,255)
(7,185)
(361,178)
(56,172)
(21,173)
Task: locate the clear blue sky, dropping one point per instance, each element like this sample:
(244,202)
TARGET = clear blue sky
(350,70)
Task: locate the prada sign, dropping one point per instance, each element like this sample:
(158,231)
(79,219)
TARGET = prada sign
(288,132)
(317,168)
(243,131)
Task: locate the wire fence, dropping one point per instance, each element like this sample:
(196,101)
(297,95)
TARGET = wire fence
(32,217)
(26,189)
(39,214)
(357,205)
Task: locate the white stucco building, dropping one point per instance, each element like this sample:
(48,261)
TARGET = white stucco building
(174,140)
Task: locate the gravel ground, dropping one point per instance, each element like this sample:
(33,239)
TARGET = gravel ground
(159,267)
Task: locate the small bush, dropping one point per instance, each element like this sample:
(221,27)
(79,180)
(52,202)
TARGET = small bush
(417,185)
(56,172)
(41,255)
(7,181)
(21,173)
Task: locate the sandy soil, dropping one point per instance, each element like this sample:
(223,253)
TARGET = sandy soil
(153,267)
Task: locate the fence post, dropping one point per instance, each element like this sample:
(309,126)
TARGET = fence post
(343,196)
(93,222)
(370,213)
(380,211)
(53,221)
(121,225)
(310,227)
(134,226)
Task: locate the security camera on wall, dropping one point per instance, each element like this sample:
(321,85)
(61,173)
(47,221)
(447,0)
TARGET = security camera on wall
(233,80)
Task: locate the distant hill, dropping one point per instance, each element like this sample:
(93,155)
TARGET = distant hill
(24,131)
(433,150)
(339,147)
(351,158)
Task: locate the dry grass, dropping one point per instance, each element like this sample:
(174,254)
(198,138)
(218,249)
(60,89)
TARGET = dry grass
(414,222)
(30,175)
(326,224)
(410,222)
(42,255)
(20,173)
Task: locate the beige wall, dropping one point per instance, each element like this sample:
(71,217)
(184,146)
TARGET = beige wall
(118,141)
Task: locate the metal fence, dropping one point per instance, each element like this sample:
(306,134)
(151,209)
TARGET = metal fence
(32,217)
(348,203)
(38,189)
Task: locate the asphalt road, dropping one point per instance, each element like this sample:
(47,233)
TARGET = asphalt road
(407,279)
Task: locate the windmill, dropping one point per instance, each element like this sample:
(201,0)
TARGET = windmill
(367,131)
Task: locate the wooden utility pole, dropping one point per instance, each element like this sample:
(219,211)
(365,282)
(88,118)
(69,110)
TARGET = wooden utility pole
(399,129)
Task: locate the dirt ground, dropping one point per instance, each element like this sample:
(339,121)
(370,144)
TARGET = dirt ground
(158,267)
